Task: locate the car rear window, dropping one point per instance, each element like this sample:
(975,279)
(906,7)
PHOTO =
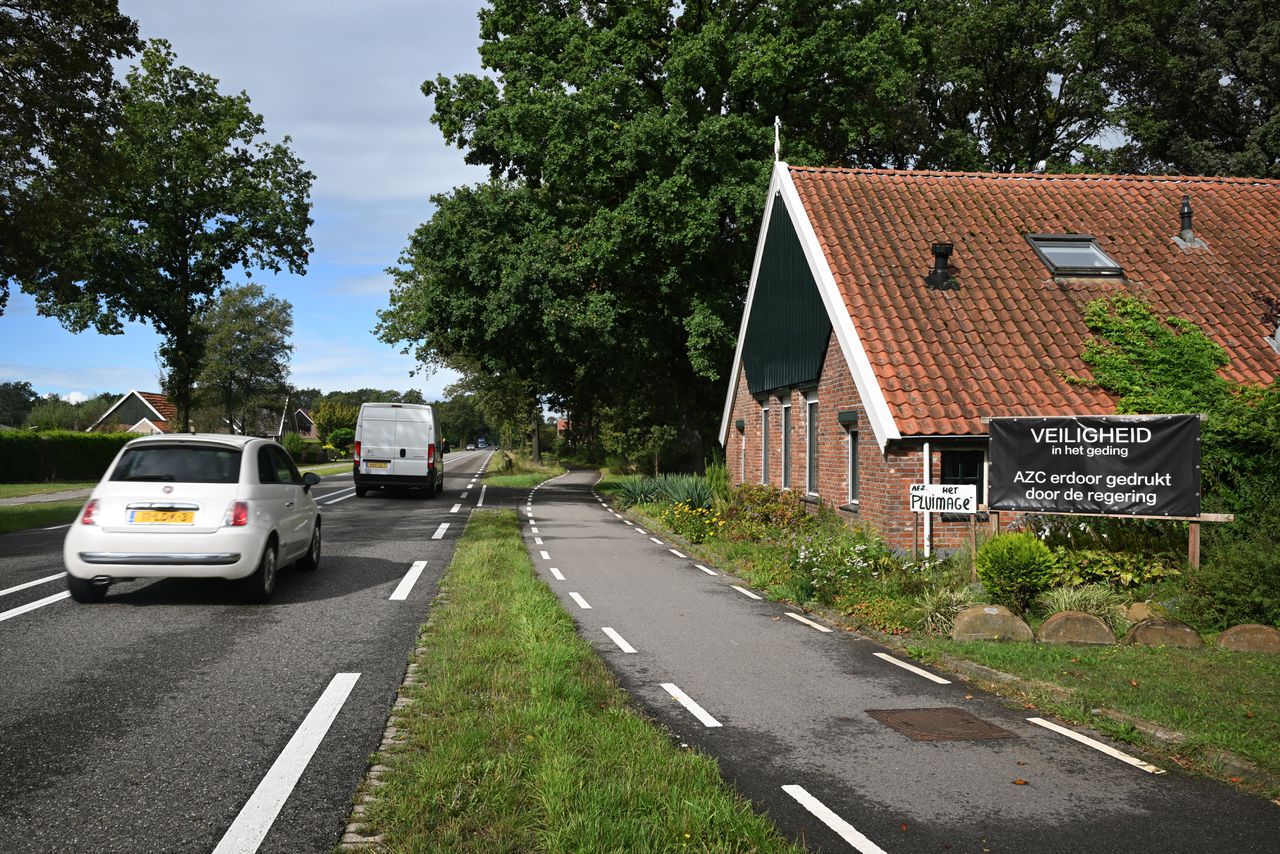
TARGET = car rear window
(181,463)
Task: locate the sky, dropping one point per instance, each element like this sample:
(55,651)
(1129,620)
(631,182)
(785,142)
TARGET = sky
(342,80)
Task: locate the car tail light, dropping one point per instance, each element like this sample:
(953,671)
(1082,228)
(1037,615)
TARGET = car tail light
(89,516)
(357,450)
(431,452)
(237,515)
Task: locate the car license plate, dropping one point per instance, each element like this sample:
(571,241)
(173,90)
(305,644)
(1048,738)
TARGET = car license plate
(161,517)
(375,464)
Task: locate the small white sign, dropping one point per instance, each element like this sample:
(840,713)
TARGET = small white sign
(944,498)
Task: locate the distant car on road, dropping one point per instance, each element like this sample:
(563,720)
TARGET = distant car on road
(194,506)
(471,446)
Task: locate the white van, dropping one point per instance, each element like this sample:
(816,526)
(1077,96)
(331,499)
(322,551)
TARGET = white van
(397,444)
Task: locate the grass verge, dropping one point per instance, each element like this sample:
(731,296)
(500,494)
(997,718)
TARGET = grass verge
(18,490)
(327,469)
(523,472)
(20,517)
(517,738)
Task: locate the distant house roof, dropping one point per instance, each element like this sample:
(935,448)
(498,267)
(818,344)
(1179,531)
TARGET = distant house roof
(934,362)
(133,408)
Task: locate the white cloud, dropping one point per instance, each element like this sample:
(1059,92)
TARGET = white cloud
(75,397)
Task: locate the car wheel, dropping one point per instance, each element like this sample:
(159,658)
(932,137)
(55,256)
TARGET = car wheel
(310,561)
(361,492)
(84,590)
(259,586)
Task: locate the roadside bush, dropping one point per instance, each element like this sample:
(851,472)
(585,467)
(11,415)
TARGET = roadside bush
(1239,582)
(1014,568)
(27,457)
(294,444)
(1121,570)
(760,512)
(828,563)
(1097,599)
(935,609)
(695,524)
(342,439)
(637,490)
(684,489)
(717,478)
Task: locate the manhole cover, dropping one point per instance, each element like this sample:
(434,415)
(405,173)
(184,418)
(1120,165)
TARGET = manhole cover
(938,724)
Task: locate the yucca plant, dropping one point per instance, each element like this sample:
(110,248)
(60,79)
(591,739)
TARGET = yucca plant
(687,489)
(1097,599)
(936,607)
(637,490)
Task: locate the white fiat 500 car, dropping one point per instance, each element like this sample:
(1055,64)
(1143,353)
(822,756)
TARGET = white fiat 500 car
(194,506)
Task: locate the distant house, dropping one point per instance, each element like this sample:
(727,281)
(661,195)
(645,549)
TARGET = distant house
(303,425)
(138,412)
(890,312)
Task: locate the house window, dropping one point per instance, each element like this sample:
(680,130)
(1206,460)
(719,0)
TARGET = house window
(1073,255)
(964,467)
(811,404)
(764,444)
(853,468)
(786,446)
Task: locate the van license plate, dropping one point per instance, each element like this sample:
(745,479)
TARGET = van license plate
(375,464)
(161,517)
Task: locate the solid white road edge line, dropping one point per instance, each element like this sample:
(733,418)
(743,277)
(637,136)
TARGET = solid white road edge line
(57,527)
(259,813)
(704,569)
(439,534)
(557,574)
(744,591)
(842,828)
(1097,745)
(617,638)
(916,670)
(677,554)
(44,580)
(686,701)
(333,497)
(406,584)
(582,603)
(342,498)
(31,606)
(807,622)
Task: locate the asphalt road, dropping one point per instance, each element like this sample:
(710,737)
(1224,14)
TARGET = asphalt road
(146,722)
(785,709)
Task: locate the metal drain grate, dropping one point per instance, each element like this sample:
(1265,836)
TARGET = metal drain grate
(938,724)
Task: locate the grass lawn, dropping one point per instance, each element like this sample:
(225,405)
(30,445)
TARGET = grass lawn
(45,514)
(524,473)
(517,738)
(17,490)
(328,468)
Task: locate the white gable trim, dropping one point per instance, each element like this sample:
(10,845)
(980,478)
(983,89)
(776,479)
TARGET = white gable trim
(116,405)
(855,355)
(145,427)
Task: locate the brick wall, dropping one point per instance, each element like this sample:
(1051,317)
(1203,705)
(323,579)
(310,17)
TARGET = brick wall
(884,478)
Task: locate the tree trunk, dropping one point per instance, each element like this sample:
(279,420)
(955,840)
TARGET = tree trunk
(537,431)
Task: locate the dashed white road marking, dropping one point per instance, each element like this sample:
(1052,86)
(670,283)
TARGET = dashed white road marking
(744,591)
(463,495)
(56,527)
(406,584)
(842,828)
(704,569)
(439,534)
(807,621)
(533,530)
(455,508)
(559,576)
(629,522)
(44,580)
(259,813)
(916,670)
(641,531)
(1097,745)
(351,494)
(31,606)
(582,603)
(686,701)
(617,638)
(335,497)
(545,556)
(676,553)
(537,541)
(658,541)
(480,503)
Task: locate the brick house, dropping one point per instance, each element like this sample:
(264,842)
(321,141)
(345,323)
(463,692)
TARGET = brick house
(138,412)
(890,312)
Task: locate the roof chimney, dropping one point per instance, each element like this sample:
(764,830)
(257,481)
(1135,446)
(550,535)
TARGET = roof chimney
(1187,237)
(939,279)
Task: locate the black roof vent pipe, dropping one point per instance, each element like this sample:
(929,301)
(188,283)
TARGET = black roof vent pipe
(1186,238)
(939,279)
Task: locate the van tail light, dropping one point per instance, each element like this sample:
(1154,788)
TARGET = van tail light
(357,450)
(431,453)
(237,515)
(89,516)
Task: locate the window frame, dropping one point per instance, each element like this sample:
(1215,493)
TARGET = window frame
(764,445)
(851,473)
(812,469)
(943,454)
(1043,242)
(786,445)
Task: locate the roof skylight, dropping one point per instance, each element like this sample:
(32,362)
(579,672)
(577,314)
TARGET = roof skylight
(1073,255)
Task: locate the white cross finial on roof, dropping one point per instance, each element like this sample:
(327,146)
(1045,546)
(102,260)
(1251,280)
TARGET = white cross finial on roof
(777,137)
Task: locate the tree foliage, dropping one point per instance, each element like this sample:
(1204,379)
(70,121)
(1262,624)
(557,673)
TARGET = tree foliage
(56,108)
(16,400)
(194,194)
(246,352)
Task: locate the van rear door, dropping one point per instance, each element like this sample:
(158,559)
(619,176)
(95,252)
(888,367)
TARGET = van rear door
(414,438)
(377,439)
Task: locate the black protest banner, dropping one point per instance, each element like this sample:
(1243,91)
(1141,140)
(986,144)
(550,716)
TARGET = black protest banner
(1135,465)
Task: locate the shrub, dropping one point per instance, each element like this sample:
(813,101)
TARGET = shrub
(761,512)
(1014,568)
(935,609)
(684,489)
(294,444)
(1239,582)
(830,563)
(342,439)
(637,490)
(717,478)
(1097,599)
(1121,570)
(695,524)
(27,457)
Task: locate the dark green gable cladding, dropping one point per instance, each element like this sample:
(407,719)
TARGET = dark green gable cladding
(788,330)
(130,411)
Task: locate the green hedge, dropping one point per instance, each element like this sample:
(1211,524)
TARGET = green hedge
(29,457)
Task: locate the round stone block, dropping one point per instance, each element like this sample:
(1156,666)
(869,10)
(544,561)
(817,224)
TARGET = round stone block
(990,622)
(1251,637)
(1075,627)
(1164,631)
